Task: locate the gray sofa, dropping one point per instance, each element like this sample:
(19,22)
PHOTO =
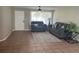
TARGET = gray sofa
(38,26)
(58,29)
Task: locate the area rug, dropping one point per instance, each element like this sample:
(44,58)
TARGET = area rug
(42,37)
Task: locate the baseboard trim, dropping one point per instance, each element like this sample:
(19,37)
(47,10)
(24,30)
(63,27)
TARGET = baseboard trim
(6,36)
(23,30)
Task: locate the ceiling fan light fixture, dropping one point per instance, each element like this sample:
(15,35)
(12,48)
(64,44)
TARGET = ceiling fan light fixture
(39,9)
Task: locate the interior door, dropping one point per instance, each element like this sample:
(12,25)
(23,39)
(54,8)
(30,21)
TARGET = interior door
(19,20)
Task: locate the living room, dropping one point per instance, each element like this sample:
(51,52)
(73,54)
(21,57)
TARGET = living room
(19,35)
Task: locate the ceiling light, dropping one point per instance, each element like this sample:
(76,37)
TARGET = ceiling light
(39,8)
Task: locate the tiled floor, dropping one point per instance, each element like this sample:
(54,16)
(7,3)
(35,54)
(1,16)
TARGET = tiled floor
(23,42)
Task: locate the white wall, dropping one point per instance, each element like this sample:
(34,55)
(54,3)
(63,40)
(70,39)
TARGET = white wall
(5,20)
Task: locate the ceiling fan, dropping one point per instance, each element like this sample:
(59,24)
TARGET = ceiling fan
(39,8)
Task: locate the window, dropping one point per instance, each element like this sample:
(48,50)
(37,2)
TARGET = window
(41,16)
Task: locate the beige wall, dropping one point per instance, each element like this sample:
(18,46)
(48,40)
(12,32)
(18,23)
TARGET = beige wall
(67,14)
(5,20)
(12,17)
(0,22)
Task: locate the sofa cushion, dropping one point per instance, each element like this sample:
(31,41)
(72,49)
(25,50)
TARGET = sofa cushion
(36,25)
